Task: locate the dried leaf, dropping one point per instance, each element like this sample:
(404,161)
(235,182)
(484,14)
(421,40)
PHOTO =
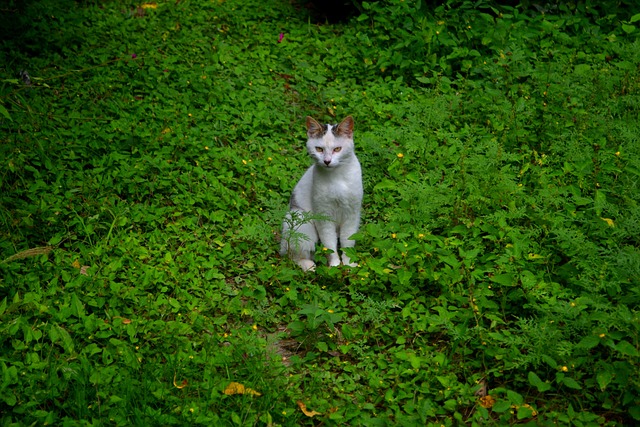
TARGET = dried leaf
(183,384)
(487,401)
(149,5)
(304,410)
(237,388)
(75,264)
(83,270)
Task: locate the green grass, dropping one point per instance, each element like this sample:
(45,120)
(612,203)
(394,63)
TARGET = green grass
(146,169)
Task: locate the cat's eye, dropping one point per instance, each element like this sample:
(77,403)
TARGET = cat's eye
(320,149)
(337,149)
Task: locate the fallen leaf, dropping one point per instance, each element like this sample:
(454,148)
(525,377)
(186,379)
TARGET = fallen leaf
(487,401)
(149,5)
(183,384)
(304,410)
(237,388)
(83,270)
(75,264)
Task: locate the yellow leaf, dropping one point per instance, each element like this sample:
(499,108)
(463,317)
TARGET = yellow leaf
(304,410)
(609,221)
(149,5)
(183,384)
(75,264)
(487,401)
(237,388)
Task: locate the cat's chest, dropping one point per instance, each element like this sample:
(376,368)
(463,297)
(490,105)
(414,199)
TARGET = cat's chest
(338,189)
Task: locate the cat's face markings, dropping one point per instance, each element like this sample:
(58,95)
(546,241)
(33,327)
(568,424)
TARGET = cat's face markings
(326,142)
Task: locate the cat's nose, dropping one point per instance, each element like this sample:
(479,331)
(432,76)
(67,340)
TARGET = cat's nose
(327,162)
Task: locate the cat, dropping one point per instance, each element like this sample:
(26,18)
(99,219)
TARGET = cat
(331,190)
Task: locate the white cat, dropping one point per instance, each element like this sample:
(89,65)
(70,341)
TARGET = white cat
(332,189)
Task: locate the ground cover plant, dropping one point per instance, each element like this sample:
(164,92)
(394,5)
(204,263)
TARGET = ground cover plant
(148,151)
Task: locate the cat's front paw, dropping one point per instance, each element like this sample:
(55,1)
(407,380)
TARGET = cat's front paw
(334,260)
(307,265)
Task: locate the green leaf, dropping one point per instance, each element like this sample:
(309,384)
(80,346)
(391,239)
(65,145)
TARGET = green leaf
(322,346)
(604,378)
(385,184)
(581,69)
(515,398)
(535,381)
(506,279)
(524,411)
(627,349)
(571,383)
(5,113)
(628,28)
(501,406)
(588,342)
(76,306)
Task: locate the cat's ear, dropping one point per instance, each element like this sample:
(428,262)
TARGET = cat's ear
(345,128)
(314,129)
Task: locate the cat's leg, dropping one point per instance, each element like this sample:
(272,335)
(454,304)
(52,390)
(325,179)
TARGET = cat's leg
(328,233)
(347,230)
(300,246)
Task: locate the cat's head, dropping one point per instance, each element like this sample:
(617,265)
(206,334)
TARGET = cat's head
(330,145)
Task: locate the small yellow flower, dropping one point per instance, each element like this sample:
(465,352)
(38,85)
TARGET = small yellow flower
(206,147)
(394,235)
(329,311)
(269,158)
(564,369)
(204,77)
(602,335)
(400,155)
(255,327)
(618,153)
(244,162)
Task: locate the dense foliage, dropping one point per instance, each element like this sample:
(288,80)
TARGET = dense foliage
(147,154)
